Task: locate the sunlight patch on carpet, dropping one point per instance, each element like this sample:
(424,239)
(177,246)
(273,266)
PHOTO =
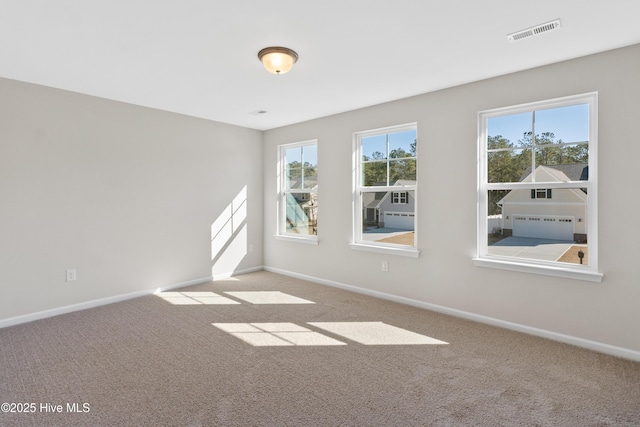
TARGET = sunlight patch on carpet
(195,298)
(375,333)
(268,297)
(276,334)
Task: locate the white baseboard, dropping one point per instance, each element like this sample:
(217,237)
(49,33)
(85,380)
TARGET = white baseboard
(117,298)
(567,339)
(95,303)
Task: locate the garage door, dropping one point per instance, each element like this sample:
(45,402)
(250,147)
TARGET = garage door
(399,220)
(543,227)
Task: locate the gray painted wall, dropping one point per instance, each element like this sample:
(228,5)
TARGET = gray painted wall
(444,274)
(126,195)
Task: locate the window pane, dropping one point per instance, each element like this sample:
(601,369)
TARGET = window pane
(512,165)
(374,173)
(515,129)
(293,169)
(402,144)
(549,230)
(294,177)
(386,222)
(566,124)
(294,155)
(310,176)
(374,147)
(301,213)
(310,167)
(494,202)
(401,171)
(310,154)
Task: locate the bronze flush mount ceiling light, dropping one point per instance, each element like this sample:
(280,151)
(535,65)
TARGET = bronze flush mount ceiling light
(277,59)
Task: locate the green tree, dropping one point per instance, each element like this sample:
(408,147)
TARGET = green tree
(374,169)
(550,152)
(402,164)
(295,171)
(506,165)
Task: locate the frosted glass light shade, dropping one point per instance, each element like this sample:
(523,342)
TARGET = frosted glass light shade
(277,60)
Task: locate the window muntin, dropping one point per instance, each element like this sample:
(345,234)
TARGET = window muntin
(298,195)
(551,143)
(385,188)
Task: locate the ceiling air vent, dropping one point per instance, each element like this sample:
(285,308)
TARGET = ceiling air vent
(534,31)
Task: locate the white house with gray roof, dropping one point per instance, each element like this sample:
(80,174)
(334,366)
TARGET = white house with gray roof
(549,213)
(390,209)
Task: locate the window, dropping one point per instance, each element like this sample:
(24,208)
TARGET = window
(538,188)
(385,183)
(400,197)
(541,193)
(298,191)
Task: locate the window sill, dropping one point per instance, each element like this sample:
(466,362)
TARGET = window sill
(547,270)
(311,240)
(408,252)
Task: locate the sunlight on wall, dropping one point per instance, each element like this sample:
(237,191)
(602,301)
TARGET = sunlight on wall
(229,235)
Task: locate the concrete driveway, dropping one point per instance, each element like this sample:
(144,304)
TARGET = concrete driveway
(531,248)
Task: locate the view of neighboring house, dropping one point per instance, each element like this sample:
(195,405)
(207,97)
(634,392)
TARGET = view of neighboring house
(548,213)
(302,213)
(390,209)
(302,205)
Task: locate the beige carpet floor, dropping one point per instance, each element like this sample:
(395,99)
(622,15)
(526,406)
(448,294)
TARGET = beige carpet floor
(160,361)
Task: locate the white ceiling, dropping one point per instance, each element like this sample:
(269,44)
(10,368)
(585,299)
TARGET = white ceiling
(199,57)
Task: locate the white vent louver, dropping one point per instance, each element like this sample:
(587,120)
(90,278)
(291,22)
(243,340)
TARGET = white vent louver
(534,31)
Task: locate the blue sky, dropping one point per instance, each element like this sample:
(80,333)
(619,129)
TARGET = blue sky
(309,152)
(397,140)
(570,124)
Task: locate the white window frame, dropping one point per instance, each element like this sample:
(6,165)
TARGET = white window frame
(483,258)
(281,233)
(357,242)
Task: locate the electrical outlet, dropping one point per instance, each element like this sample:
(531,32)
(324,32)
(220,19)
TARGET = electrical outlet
(71,275)
(385,266)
